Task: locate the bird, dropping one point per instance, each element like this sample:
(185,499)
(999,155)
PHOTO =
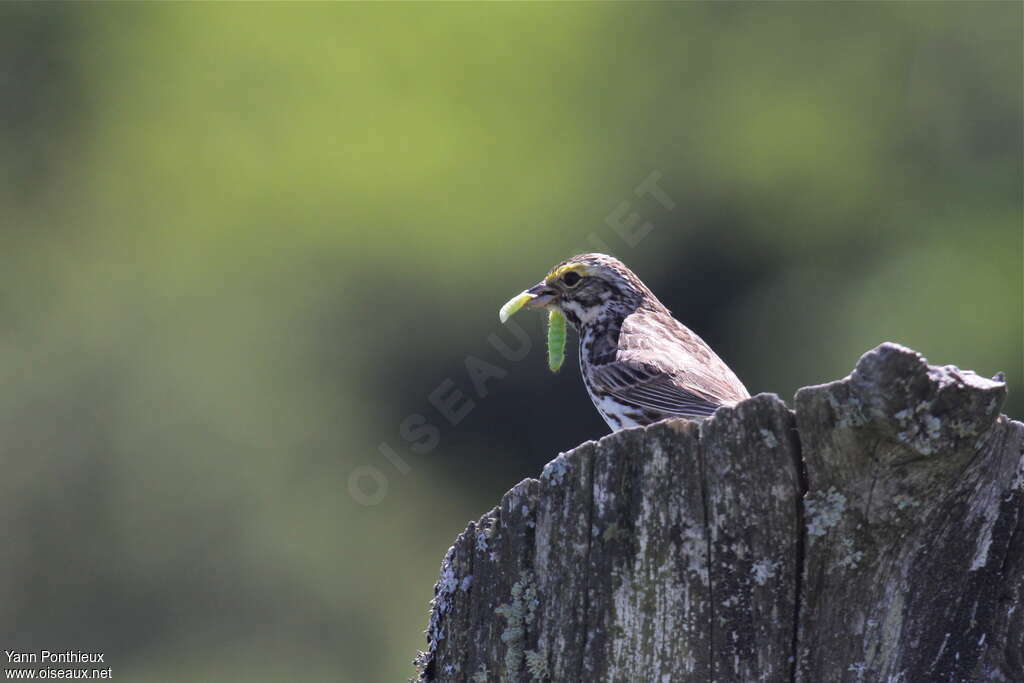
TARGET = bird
(639,364)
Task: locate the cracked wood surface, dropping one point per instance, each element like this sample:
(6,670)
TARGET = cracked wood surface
(873,534)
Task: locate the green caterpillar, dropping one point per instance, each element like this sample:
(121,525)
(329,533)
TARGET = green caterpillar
(513,305)
(556,328)
(556,339)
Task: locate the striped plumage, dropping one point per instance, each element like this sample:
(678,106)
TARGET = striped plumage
(639,364)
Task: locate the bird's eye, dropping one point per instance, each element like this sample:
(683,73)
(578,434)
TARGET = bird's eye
(571,278)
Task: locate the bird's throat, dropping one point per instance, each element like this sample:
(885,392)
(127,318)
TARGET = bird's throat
(599,341)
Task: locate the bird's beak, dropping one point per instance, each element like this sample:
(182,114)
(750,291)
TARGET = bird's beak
(538,296)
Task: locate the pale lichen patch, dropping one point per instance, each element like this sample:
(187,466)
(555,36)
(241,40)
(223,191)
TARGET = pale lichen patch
(483,535)
(518,615)
(849,558)
(903,501)
(537,665)
(849,413)
(823,511)
(613,532)
(769,439)
(445,587)
(554,471)
(762,570)
(858,669)
(448,581)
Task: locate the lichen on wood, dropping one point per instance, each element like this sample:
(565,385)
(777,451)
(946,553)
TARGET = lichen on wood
(873,533)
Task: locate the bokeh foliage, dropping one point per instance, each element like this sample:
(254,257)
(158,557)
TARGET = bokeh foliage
(244,241)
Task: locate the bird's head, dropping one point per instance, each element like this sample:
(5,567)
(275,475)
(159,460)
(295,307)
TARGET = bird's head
(585,288)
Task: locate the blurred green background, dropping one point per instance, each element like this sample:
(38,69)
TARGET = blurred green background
(243,242)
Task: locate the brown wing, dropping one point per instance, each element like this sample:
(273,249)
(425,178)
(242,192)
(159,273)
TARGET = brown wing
(662,366)
(647,388)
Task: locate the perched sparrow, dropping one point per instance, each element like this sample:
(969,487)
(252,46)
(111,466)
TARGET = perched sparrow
(639,363)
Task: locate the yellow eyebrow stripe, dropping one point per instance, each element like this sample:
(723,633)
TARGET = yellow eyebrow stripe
(580,268)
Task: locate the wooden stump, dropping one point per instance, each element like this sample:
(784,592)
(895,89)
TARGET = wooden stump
(873,534)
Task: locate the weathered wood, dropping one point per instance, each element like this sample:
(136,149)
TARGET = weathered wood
(912,508)
(873,535)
